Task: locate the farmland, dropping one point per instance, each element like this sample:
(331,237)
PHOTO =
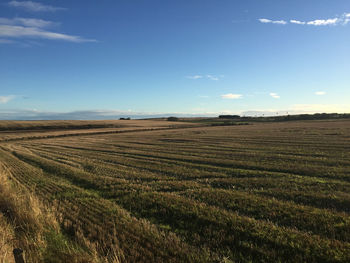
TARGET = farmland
(158,191)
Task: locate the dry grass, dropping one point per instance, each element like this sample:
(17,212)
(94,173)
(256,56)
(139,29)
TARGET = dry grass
(25,223)
(6,241)
(21,213)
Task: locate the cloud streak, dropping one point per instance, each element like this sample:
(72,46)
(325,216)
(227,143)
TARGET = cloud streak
(33,32)
(275,95)
(269,21)
(29,22)
(211,77)
(34,29)
(34,6)
(195,77)
(344,19)
(324,22)
(320,93)
(231,96)
(297,22)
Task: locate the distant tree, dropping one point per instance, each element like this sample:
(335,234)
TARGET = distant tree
(229,116)
(173,119)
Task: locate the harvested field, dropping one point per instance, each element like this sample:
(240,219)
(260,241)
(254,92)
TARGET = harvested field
(25,130)
(168,192)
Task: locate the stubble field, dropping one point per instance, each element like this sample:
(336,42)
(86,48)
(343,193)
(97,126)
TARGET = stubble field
(265,192)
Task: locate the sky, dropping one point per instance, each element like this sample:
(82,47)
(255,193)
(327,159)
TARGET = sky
(85,59)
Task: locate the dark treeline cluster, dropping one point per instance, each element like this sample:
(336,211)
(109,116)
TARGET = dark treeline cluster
(316,116)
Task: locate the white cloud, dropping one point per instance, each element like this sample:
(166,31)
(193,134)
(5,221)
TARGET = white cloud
(212,77)
(195,77)
(274,95)
(30,22)
(231,96)
(280,22)
(346,18)
(324,22)
(19,27)
(34,6)
(320,93)
(264,20)
(6,99)
(297,22)
(14,31)
(343,19)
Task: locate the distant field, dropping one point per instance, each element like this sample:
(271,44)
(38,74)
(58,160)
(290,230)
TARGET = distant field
(266,192)
(18,130)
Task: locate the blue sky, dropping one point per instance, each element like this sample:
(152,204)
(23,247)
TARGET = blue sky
(200,57)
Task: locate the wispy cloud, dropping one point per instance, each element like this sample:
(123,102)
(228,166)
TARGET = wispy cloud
(274,95)
(320,93)
(231,96)
(34,29)
(346,18)
(266,21)
(6,99)
(324,22)
(211,77)
(343,19)
(195,77)
(34,6)
(32,32)
(297,22)
(30,22)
